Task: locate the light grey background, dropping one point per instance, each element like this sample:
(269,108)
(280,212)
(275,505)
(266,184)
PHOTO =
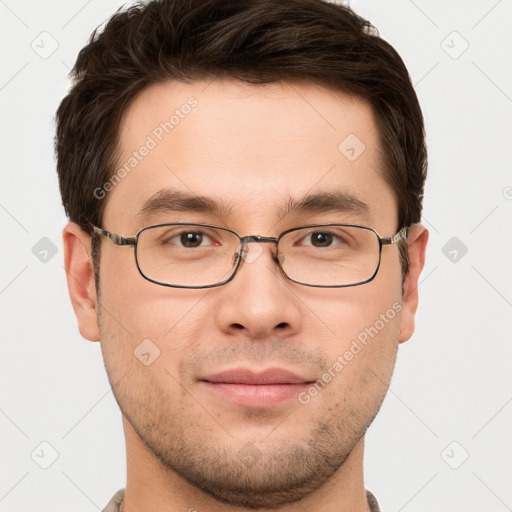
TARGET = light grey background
(451,396)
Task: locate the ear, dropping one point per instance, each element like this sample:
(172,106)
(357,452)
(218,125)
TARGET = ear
(416,245)
(80,277)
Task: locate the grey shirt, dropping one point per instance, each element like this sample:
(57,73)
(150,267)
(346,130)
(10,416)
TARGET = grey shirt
(115,503)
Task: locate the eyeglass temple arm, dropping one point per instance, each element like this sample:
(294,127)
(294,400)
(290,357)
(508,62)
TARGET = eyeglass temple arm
(393,239)
(115,239)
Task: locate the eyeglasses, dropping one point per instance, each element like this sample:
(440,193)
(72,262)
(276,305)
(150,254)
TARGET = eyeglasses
(185,255)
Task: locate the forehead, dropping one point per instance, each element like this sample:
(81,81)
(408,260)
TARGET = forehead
(250,148)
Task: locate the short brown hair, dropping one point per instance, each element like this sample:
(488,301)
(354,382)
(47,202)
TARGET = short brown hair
(256,41)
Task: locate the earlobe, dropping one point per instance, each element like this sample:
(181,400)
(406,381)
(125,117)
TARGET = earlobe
(80,278)
(416,244)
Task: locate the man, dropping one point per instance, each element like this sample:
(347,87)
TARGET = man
(244,184)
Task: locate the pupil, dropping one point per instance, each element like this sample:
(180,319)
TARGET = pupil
(322,239)
(191,239)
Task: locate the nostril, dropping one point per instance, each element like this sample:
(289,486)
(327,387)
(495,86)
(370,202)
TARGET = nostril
(282,325)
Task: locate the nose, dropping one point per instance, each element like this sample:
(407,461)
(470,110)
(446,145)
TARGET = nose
(259,301)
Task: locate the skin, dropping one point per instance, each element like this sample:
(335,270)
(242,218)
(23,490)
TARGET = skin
(249,147)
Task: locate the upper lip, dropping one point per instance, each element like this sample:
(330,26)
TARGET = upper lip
(246,376)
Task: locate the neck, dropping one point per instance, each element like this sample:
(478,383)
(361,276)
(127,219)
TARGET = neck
(151,486)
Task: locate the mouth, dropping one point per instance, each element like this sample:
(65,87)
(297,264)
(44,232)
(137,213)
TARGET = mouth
(255,389)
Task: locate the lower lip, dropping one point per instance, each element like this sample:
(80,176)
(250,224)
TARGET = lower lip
(256,395)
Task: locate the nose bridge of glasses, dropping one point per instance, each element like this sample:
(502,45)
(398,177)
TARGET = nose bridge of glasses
(259,239)
(257,249)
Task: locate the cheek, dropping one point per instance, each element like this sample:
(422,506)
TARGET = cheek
(364,324)
(361,363)
(361,312)
(141,308)
(144,336)
(142,322)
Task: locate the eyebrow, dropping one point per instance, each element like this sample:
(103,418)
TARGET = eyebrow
(170,200)
(338,201)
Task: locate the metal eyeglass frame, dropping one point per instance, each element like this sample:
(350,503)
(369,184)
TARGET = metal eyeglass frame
(121,240)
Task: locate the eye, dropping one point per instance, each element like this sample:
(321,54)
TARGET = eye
(190,239)
(321,239)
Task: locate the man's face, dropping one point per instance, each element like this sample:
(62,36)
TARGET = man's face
(251,149)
